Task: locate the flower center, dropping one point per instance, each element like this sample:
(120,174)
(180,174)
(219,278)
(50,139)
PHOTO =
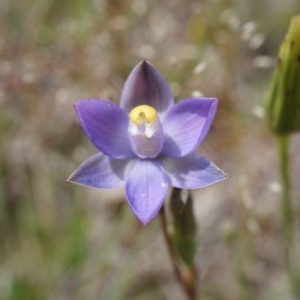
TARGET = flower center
(143,114)
(145,131)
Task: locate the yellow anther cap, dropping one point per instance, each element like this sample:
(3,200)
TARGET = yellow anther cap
(143,114)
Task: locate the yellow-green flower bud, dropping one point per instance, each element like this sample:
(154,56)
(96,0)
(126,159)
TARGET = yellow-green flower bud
(283,107)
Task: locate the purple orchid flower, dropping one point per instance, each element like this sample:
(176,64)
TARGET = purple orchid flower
(148,143)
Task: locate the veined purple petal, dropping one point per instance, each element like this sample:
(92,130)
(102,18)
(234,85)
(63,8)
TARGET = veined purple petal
(101,171)
(145,85)
(192,171)
(146,189)
(187,124)
(106,125)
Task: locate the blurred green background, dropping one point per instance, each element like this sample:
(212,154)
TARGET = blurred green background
(61,241)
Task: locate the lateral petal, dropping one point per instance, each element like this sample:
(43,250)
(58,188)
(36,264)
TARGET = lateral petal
(187,124)
(101,171)
(106,125)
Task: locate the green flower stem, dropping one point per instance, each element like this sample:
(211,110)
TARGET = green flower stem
(287,213)
(186,276)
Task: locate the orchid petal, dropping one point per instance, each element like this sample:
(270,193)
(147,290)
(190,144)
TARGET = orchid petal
(146,189)
(187,124)
(192,171)
(106,126)
(101,171)
(145,85)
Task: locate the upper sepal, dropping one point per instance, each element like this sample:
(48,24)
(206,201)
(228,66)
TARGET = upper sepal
(145,85)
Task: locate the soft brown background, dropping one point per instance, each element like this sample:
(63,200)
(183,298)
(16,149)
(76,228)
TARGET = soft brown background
(60,241)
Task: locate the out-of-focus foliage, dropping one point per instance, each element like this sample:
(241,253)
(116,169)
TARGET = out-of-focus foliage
(59,241)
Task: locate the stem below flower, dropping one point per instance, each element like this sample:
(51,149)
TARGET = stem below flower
(186,277)
(287,213)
